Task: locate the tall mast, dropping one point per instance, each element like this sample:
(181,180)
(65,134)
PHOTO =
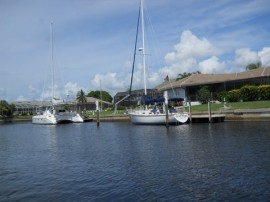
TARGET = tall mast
(52,62)
(143,48)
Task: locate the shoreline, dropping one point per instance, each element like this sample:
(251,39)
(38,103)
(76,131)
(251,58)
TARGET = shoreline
(229,115)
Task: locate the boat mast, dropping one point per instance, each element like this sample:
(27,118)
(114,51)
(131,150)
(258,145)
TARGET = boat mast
(143,48)
(52,62)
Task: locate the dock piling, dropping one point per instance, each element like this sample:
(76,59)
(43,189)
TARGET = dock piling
(209,112)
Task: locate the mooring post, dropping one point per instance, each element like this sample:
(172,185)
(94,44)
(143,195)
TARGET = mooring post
(97,109)
(209,112)
(189,112)
(167,115)
(166,97)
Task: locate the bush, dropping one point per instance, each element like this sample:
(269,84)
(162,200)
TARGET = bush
(233,96)
(249,93)
(264,92)
(246,93)
(221,95)
(109,109)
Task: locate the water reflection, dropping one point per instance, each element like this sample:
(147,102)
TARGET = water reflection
(121,161)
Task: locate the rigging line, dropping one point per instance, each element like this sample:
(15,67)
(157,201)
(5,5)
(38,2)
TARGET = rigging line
(134,55)
(154,60)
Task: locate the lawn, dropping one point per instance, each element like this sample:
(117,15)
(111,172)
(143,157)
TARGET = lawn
(233,105)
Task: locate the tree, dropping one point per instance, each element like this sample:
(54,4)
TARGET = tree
(185,74)
(6,109)
(204,94)
(102,95)
(81,97)
(253,66)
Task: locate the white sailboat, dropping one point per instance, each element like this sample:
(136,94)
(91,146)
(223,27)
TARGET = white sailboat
(154,115)
(47,116)
(56,115)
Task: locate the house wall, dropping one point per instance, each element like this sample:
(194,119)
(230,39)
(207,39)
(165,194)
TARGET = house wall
(177,92)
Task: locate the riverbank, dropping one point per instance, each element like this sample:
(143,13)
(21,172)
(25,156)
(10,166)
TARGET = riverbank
(262,114)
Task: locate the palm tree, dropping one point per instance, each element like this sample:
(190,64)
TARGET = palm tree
(81,97)
(186,74)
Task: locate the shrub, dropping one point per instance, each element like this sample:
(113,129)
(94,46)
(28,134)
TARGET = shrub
(109,109)
(221,95)
(264,92)
(249,93)
(233,95)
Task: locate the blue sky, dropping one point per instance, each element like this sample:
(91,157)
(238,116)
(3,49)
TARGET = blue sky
(94,42)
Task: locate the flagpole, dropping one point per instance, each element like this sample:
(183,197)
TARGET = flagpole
(172,88)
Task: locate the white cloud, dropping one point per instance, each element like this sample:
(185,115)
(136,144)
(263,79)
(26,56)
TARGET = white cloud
(71,89)
(188,56)
(110,82)
(185,65)
(192,54)
(243,57)
(212,65)
(264,55)
(191,46)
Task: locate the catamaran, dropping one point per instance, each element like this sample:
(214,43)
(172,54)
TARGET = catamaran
(55,115)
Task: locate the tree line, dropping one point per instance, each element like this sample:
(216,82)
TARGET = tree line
(101,95)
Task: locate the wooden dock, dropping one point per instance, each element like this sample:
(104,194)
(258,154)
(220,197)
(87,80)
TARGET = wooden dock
(206,118)
(195,118)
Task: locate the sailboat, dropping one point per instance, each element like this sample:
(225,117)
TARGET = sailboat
(56,115)
(159,114)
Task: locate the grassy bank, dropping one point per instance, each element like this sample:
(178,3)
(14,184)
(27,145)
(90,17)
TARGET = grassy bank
(233,106)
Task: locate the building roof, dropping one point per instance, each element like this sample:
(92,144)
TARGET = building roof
(93,100)
(203,79)
(31,104)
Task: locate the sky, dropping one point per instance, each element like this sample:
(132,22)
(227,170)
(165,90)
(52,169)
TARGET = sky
(94,43)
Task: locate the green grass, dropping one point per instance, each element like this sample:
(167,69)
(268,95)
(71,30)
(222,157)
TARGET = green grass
(105,113)
(233,105)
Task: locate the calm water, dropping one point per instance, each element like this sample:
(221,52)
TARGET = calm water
(122,162)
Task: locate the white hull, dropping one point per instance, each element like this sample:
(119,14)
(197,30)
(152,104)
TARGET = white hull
(68,117)
(47,118)
(148,118)
(182,117)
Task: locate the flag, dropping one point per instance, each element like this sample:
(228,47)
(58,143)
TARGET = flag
(166,78)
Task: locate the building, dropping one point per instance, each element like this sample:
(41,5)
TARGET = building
(189,86)
(30,107)
(33,107)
